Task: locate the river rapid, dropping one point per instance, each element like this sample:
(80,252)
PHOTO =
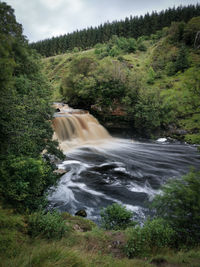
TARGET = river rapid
(102,171)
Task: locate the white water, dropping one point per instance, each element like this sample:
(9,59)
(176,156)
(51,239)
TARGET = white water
(102,170)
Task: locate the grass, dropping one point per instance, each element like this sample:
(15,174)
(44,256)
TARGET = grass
(85,245)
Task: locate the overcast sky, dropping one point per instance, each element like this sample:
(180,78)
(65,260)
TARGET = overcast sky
(43,19)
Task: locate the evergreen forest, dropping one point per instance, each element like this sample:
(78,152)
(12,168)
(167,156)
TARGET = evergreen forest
(129,27)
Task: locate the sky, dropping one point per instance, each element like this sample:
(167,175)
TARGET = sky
(43,19)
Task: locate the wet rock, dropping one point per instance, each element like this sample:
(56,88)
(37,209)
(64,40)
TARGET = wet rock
(81,213)
(60,171)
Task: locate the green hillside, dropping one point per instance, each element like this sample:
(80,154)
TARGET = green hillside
(150,85)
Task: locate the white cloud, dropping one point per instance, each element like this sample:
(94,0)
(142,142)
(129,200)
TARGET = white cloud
(46,18)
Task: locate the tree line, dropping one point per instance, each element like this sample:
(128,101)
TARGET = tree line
(130,27)
(25,119)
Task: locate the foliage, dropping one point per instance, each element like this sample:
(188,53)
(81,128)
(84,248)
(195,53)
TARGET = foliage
(50,225)
(24,181)
(175,32)
(102,84)
(25,119)
(154,235)
(190,31)
(134,27)
(181,61)
(151,76)
(179,205)
(135,87)
(150,112)
(116,217)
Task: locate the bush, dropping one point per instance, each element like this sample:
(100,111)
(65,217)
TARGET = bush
(155,234)
(136,243)
(158,233)
(151,76)
(24,181)
(50,225)
(116,217)
(179,205)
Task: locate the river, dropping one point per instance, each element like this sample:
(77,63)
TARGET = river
(102,170)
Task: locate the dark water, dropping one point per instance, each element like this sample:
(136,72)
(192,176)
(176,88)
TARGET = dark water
(121,171)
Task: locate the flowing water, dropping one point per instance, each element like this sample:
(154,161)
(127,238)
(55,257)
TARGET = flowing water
(102,170)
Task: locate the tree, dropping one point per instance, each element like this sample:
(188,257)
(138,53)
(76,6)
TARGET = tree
(191,29)
(25,118)
(179,205)
(181,62)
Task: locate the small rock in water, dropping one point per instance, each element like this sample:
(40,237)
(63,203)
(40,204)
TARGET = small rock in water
(60,171)
(161,140)
(81,213)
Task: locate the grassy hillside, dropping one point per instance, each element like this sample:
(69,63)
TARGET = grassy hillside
(151,83)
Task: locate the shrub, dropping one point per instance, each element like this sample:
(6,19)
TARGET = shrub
(151,76)
(136,243)
(116,217)
(158,233)
(179,205)
(155,234)
(24,181)
(50,225)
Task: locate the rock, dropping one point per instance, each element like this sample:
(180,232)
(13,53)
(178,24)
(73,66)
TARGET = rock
(197,40)
(161,140)
(181,132)
(60,171)
(57,110)
(76,227)
(81,213)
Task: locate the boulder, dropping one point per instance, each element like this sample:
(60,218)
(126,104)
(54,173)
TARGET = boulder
(81,213)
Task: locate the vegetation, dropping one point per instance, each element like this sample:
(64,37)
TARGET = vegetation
(154,236)
(50,225)
(150,82)
(179,205)
(116,217)
(25,114)
(24,181)
(132,27)
(154,90)
(49,238)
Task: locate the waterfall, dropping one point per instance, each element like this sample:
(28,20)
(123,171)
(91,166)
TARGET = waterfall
(74,128)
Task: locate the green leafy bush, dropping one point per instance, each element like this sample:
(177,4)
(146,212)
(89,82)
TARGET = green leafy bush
(179,205)
(116,217)
(24,181)
(155,234)
(50,225)
(158,233)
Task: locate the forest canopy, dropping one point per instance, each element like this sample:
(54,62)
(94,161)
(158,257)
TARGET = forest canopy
(25,118)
